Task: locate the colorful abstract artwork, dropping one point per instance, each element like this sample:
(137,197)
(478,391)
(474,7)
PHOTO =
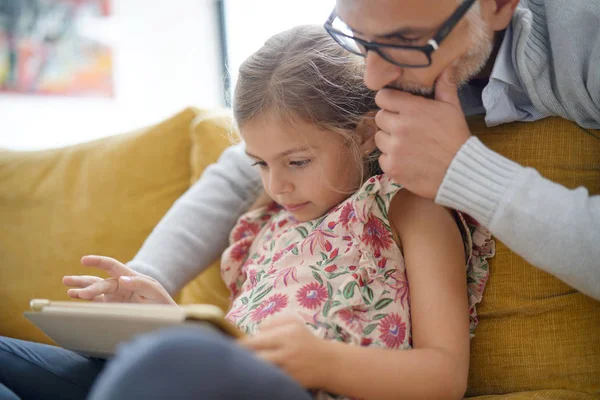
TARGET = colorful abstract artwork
(43,50)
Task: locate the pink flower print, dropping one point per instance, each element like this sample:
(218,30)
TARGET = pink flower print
(331,225)
(353,319)
(482,246)
(240,250)
(277,256)
(399,283)
(382,262)
(273,207)
(366,342)
(352,268)
(233,289)
(282,223)
(392,331)
(330,268)
(283,252)
(318,240)
(470,220)
(252,277)
(273,304)
(234,314)
(334,254)
(311,295)
(376,235)
(284,275)
(348,214)
(245,229)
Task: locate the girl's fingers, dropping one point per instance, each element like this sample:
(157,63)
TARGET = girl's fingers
(271,356)
(147,289)
(110,265)
(105,286)
(262,342)
(80,281)
(99,299)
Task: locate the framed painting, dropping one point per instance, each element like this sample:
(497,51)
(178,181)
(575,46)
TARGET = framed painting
(43,50)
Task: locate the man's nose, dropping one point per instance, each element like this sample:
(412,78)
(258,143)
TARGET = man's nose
(379,72)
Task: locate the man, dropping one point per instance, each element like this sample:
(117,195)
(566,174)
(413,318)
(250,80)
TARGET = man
(426,144)
(515,75)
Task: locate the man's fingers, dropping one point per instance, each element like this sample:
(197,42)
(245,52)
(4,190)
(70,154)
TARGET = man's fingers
(396,100)
(110,265)
(105,286)
(383,141)
(385,163)
(385,120)
(446,89)
(80,281)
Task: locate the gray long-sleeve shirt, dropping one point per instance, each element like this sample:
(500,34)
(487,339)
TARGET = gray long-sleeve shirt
(548,65)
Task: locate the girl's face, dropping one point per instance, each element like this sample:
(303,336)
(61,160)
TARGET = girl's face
(305,169)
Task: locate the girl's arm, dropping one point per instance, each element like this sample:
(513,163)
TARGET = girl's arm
(437,366)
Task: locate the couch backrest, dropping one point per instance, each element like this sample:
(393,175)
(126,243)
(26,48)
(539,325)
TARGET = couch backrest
(102,197)
(535,332)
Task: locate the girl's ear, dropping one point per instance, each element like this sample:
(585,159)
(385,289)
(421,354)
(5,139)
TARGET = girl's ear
(366,130)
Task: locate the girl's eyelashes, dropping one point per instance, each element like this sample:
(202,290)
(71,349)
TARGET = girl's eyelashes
(261,164)
(300,163)
(296,164)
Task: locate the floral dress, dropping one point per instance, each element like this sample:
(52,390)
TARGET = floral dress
(342,273)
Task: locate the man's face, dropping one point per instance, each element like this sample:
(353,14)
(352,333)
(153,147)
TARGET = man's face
(413,22)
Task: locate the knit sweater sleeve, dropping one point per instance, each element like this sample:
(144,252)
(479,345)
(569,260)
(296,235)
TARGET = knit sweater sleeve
(556,50)
(196,229)
(550,226)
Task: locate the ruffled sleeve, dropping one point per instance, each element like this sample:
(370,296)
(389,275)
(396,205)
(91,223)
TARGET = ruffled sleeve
(479,247)
(248,227)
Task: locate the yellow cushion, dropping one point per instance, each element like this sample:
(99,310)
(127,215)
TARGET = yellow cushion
(540,395)
(535,332)
(102,197)
(210,136)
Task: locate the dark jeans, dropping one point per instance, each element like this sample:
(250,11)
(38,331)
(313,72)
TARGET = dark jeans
(31,370)
(178,363)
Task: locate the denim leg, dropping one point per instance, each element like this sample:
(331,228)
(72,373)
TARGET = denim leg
(38,371)
(7,394)
(191,363)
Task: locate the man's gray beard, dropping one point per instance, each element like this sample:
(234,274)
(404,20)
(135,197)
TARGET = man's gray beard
(477,57)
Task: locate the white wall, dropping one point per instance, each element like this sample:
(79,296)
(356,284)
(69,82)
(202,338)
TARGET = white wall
(166,57)
(250,23)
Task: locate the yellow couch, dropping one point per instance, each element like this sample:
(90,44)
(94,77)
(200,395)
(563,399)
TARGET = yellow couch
(537,338)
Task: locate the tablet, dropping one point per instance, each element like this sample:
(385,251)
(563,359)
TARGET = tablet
(97,329)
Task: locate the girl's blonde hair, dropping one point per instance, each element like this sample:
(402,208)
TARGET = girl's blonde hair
(303,73)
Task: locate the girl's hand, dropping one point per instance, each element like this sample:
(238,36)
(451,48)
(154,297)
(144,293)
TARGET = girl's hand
(288,343)
(124,286)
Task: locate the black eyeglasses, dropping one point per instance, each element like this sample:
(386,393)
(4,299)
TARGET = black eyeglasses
(402,56)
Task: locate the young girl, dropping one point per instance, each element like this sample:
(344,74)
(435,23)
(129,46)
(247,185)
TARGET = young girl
(320,277)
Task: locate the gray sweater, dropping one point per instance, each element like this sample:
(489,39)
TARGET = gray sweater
(556,52)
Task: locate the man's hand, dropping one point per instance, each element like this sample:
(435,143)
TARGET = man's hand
(124,286)
(419,137)
(288,343)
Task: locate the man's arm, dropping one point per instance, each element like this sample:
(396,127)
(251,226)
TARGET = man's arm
(552,227)
(196,229)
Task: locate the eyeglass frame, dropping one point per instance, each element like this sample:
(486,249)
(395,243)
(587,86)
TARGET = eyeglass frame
(432,44)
